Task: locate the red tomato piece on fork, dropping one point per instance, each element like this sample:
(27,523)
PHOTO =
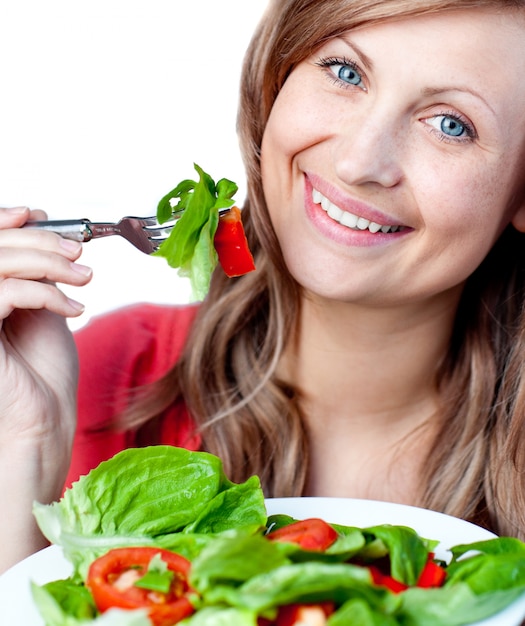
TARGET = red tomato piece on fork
(231,244)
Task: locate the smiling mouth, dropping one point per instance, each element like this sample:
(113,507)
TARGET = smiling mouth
(354,222)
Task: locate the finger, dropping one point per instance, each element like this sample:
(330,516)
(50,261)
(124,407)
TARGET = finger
(13,217)
(18,215)
(37,265)
(37,214)
(33,239)
(23,294)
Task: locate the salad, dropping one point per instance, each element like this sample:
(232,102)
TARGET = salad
(160,536)
(201,237)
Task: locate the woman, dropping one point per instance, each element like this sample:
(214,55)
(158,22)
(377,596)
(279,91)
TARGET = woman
(377,351)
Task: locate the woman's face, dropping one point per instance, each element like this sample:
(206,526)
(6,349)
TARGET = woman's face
(395,155)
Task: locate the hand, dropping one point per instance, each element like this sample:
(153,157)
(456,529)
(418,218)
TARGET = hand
(38,374)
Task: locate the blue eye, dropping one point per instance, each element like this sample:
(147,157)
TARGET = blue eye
(342,71)
(347,74)
(450,126)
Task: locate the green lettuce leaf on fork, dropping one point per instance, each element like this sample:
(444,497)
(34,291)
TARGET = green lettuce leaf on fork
(190,245)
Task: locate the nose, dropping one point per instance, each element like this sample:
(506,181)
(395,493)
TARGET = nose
(368,150)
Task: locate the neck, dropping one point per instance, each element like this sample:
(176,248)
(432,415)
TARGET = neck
(367,380)
(373,360)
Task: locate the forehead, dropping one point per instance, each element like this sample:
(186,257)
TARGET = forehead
(485,35)
(478,49)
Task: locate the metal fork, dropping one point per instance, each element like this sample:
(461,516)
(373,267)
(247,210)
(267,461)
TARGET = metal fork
(145,233)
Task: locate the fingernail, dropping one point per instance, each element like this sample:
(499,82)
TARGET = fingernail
(81,269)
(77,306)
(70,245)
(17,210)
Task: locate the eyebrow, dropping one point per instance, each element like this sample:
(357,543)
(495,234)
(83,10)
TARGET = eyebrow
(434,91)
(366,60)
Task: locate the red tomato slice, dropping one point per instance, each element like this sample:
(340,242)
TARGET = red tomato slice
(231,245)
(311,534)
(304,614)
(433,575)
(111,581)
(384,580)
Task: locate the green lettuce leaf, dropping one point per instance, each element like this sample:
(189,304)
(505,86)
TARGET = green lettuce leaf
(407,551)
(181,500)
(301,583)
(224,562)
(221,616)
(145,496)
(451,606)
(358,613)
(64,604)
(190,245)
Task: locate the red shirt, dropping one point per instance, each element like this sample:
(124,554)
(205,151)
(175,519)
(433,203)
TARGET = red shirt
(118,351)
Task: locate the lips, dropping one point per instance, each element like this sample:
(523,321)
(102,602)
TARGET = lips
(350,220)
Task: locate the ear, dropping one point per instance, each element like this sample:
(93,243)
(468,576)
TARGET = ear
(518,220)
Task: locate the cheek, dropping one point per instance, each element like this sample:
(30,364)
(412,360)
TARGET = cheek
(463,198)
(464,214)
(280,137)
(279,145)
(295,122)
(294,126)
(272,164)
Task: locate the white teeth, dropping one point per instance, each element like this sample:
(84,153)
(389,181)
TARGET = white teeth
(316,196)
(335,212)
(363,224)
(349,219)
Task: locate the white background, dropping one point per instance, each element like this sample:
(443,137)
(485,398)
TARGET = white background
(104,107)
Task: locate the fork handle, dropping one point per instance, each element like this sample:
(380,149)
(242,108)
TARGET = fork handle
(78,230)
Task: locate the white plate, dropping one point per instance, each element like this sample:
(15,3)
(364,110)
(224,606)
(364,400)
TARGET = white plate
(16,606)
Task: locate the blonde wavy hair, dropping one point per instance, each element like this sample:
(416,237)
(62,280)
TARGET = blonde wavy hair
(227,373)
